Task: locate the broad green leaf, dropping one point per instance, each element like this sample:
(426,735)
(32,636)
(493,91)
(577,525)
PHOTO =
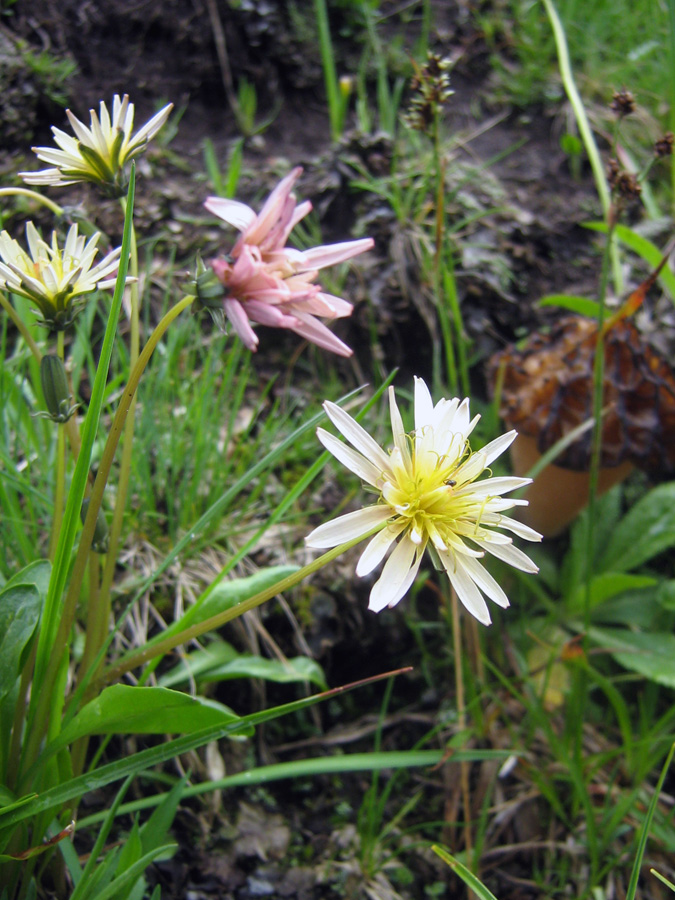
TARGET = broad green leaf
(37,573)
(638,609)
(643,247)
(580,305)
(646,530)
(220,662)
(607,585)
(651,654)
(20,606)
(300,668)
(124,767)
(665,594)
(126,709)
(228,594)
(194,665)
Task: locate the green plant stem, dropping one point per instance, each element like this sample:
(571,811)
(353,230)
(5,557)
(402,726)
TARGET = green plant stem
(25,192)
(21,327)
(79,751)
(461,716)
(584,130)
(43,702)
(71,425)
(60,473)
(335,102)
(97,621)
(596,437)
(140,657)
(671,84)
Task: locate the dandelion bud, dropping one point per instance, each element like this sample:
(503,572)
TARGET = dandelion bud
(55,389)
(206,287)
(99,542)
(346,85)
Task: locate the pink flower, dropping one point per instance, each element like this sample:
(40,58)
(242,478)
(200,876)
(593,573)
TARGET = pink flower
(272,284)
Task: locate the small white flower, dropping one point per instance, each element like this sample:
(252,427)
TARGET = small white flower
(55,279)
(429,497)
(100,152)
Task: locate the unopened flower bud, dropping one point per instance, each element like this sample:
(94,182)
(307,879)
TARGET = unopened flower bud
(346,85)
(55,389)
(206,287)
(99,542)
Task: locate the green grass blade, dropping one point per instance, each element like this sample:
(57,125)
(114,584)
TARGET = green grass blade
(71,518)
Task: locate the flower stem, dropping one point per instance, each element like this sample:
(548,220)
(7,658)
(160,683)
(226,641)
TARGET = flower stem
(25,192)
(60,473)
(41,715)
(21,326)
(97,621)
(140,657)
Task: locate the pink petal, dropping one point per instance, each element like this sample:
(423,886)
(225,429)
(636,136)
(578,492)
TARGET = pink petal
(237,214)
(266,314)
(316,332)
(272,208)
(330,254)
(237,316)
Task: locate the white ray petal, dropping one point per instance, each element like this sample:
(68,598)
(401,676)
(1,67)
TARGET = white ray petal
(395,578)
(424,406)
(347,527)
(377,548)
(357,435)
(354,460)
(492,487)
(487,584)
(509,554)
(467,591)
(513,525)
(498,446)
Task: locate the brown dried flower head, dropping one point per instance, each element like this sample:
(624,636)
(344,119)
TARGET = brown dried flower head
(627,186)
(623,103)
(430,89)
(664,145)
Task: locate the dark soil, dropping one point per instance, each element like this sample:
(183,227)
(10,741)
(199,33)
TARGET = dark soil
(298,840)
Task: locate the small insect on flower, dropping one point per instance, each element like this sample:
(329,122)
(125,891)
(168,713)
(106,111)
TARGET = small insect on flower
(429,498)
(56,280)
(99,153)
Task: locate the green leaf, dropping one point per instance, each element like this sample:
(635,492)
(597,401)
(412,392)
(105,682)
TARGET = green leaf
(126,709)
(646,530)
(300,668)
(37,573)
(154,832)
(608,585)
(229,593)
(643,247)
(196,664)
(226,595)
(651,654)
(665,594)
(581,305)
(20,606)
(60,794)
(470,880)
(638,610)
(221,662)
